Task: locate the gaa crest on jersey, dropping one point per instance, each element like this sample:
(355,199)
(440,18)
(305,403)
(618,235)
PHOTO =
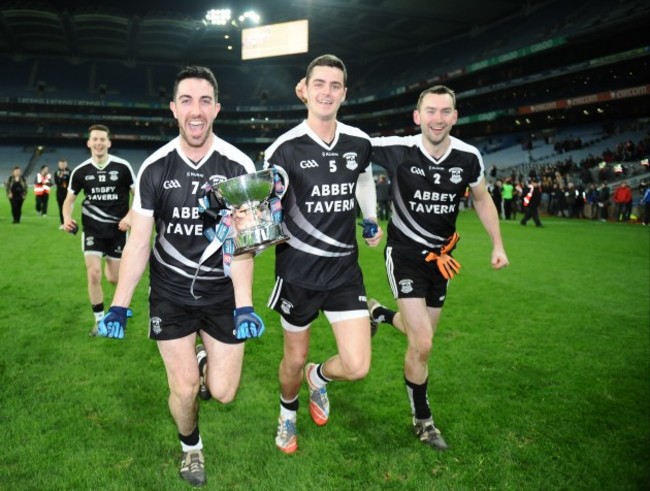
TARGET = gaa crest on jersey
(351,160)
(285,306)
(456,175)
(113,175)
(406,286)
(155,324)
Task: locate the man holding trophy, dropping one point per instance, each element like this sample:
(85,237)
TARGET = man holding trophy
(190,294)
(328,165)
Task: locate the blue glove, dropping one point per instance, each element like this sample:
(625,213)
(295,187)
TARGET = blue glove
(247,323)
(370,228)
(113,324)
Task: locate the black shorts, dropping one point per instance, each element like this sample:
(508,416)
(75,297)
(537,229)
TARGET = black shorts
(98,246)
(410,276)
(170,320)
(300,306)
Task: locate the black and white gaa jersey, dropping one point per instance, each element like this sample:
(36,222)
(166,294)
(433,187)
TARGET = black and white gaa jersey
(319,205)
(168,188)
(106,192)
(426,192)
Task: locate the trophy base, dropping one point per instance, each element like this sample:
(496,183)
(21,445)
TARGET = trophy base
(259,238)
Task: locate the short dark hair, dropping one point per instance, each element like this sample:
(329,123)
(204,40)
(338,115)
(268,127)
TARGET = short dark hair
(195,71)
(99,127)
(328,60)
(437,89)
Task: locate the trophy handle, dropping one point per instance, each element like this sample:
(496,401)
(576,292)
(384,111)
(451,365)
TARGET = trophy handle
(285,181)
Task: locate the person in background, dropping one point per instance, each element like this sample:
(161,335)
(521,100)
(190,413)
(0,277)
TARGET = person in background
(623,200)
(16,187)
(571,196)
(508,196)
(328,164)
(62,181)
(429,173)
(190,294)
(383,197)
(106,181)
(497,196)
(644,203)
(592,201)
(603,201)
(531,202)
(42,185)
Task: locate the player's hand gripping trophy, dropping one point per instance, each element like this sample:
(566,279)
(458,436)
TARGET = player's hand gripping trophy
(254,202)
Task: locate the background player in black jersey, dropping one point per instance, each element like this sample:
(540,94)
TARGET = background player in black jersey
(106,181)
(62,181)
(168,189)
(328,163)
(429,173)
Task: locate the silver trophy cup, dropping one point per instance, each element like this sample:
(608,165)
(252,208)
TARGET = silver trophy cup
(247,196)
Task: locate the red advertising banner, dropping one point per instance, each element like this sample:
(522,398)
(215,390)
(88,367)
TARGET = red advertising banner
(610,95)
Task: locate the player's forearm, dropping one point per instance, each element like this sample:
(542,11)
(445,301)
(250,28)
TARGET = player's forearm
(489,217)
(366,195)
(67,210)
(134,261)
(241,273)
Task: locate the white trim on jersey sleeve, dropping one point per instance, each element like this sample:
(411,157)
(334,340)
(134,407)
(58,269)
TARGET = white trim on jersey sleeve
(125,162)
(231,152)
(136,205)
(81,165)
(352,131)
(391,141)
(293,133)
(159,154)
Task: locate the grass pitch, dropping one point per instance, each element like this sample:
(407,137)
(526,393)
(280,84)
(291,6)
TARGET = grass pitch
(539,379)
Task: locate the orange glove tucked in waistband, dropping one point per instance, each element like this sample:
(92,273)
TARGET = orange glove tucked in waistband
(447,265)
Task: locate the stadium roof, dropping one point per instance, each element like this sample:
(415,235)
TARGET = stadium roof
(361,32)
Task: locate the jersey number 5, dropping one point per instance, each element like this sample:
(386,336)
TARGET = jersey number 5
(332,165)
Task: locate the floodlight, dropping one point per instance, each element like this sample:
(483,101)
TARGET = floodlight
(218,17)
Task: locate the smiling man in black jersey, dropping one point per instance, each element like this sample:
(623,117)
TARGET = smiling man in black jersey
(106,182)
(328,164)
(188,296)
(429,173)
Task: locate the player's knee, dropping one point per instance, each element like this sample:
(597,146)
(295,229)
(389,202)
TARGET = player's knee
(111,278)
(94,276)
(185,393)
(295,359)
(111,272)
(357,368)
(420,346)
(224,395)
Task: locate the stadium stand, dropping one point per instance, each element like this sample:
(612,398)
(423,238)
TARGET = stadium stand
(509,75)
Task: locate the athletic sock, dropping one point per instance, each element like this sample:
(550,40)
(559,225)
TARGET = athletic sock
(288,409)
(418,398)
(316,377)
(382,314)
(98,311)
(321,375)
(203,359)
(192,441)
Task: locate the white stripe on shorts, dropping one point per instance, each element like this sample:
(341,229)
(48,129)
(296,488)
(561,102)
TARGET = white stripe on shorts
(389,270)
(275,293)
